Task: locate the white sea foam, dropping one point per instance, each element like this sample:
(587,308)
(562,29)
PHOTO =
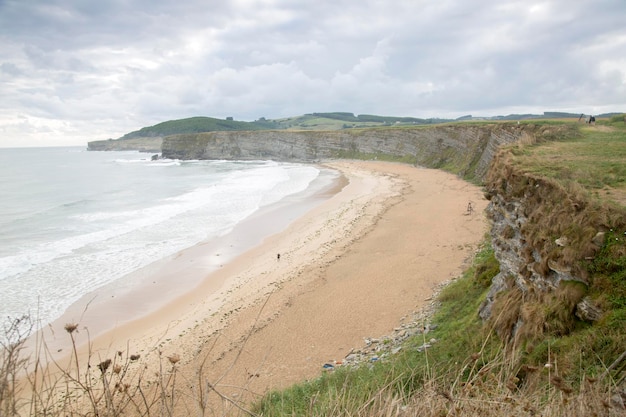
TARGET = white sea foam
(131,212)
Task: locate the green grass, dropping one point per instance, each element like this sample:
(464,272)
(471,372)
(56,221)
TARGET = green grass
(192,125)
(593,159)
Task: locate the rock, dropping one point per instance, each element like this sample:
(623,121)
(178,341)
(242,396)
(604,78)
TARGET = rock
(587,310)
(562,241)
(425,146)
(554,266)
(598,239)
(617,401)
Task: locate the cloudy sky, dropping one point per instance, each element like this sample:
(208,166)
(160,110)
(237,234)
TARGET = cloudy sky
(78,70)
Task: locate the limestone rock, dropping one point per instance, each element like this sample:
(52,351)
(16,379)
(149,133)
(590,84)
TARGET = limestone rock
(587,310)
(562,241)
(598,239)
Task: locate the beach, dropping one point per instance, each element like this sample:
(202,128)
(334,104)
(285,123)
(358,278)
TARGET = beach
(353,266)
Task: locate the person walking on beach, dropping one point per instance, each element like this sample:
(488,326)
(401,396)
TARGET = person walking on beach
(278,256)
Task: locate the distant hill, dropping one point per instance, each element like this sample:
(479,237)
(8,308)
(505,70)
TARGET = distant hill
(148,139)
(315,121)
(345,120)
(194,125)
(311,121)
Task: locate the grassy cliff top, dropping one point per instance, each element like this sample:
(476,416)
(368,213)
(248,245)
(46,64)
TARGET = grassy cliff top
(314,121)
(595,159)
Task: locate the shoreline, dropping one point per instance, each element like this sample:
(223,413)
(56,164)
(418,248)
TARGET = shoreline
(134,298)
(378,265)
(351,267)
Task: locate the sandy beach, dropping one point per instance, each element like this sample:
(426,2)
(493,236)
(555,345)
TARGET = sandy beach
(352,267)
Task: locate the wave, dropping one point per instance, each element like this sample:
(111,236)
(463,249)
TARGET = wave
(102,240)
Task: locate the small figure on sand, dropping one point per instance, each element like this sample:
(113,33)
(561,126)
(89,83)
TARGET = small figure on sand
(278,256)
(470,209)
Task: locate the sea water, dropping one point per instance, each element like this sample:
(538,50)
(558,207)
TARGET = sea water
(73,221)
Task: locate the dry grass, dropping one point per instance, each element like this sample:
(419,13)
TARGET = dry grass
(563,219)
(487,382)
(118,385)
(479,386)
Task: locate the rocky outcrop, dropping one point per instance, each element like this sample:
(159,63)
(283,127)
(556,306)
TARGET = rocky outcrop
(462,148)
(142,144)
(546,237)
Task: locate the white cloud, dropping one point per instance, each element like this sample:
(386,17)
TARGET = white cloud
(73,71)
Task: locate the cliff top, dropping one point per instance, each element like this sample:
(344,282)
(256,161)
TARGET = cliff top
(593,158)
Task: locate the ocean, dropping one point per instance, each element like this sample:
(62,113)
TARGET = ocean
(73,221)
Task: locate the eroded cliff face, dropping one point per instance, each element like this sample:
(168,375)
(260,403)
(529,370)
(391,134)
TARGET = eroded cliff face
(464,149)
(546,238)
(144,144)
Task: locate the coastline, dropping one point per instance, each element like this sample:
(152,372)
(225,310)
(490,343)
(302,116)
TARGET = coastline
(351,267)
(134,298)
(384,244)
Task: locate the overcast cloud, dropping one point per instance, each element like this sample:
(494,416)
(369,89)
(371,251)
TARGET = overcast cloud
(76,70)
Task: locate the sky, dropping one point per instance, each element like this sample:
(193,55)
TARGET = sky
(72,71)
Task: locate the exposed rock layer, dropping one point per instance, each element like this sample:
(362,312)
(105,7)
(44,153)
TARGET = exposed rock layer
(466,149)
(143,144)
(545,237)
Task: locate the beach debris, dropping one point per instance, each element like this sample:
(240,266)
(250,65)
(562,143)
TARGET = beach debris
(134,357)
(328,366)
(378,349)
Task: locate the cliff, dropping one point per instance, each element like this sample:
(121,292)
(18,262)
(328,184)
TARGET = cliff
(142,144)
(465,149)
(562,255)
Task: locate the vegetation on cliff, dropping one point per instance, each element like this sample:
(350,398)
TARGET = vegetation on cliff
(571,190)
(193,125)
